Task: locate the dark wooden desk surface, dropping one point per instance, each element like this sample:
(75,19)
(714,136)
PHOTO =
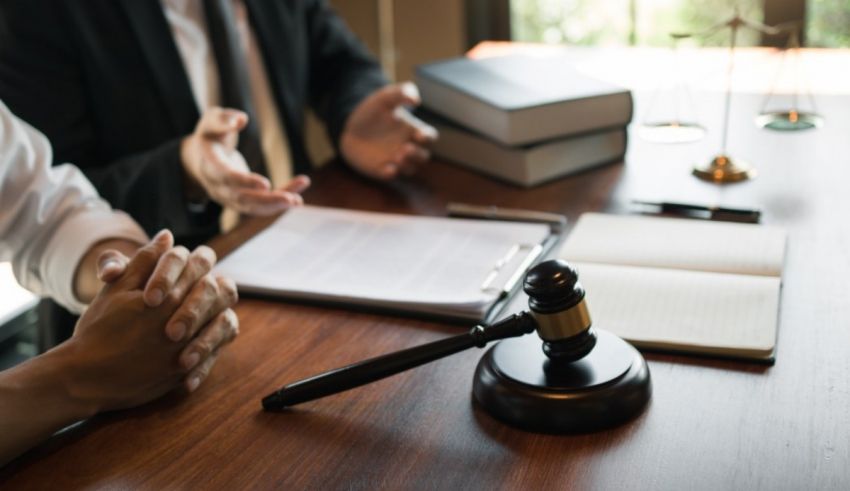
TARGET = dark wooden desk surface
(710,425)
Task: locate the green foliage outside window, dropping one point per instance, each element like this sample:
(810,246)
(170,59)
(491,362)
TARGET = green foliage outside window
(828,23)
(649,22)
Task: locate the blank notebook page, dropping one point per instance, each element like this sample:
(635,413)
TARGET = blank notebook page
(668,308)
(677,243)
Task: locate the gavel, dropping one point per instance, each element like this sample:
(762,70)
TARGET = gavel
(583,379)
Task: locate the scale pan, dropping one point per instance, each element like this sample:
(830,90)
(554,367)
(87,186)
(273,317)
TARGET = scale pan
(789,121)
(671,132)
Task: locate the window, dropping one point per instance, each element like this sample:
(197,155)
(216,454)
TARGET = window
(828,23)
(649,22)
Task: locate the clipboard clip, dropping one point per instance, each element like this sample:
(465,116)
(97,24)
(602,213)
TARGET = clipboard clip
(512,266)
(556,222)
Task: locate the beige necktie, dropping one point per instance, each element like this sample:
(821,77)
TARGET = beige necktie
(278,162)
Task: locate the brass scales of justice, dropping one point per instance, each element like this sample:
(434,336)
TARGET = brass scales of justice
(723,168)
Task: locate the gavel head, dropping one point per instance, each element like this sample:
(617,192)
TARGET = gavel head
(556,300)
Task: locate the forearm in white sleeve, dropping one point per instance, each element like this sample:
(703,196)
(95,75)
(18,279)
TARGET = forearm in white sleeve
(49,216)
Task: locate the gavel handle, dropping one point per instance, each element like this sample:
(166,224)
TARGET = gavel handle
(364,372)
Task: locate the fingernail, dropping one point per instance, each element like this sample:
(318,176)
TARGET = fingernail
(410,90)
(178,330)
(155,297)
(430,132)
(159,234)
(107,266)
(191,360)
(194,382)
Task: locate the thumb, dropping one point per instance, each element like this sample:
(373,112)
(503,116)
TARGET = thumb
(218,122)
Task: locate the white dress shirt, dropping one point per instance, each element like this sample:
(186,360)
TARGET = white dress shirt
(49,216)
(189,28)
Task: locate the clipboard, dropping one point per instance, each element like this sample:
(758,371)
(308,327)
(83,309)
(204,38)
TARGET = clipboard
(527,254)
(451,269)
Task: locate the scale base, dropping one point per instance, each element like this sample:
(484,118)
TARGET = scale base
(517,384)
(723,169)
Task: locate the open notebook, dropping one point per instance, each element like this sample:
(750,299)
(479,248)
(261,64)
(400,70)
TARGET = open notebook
(445,267)
(681,285)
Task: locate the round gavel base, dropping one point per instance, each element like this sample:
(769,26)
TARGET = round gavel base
(516,383)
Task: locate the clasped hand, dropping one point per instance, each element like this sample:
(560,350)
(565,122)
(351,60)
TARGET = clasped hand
(159,321)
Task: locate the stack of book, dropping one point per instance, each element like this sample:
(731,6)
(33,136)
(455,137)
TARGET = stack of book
(524,119)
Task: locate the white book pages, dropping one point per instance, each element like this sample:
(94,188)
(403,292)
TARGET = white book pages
(421,264)
(677,243)
(697,311)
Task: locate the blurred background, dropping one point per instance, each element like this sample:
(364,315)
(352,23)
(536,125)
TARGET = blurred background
(406,33)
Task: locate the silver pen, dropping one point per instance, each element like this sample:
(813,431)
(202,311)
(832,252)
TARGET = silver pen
(752,215)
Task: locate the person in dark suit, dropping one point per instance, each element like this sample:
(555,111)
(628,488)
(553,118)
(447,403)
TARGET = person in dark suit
(175,109)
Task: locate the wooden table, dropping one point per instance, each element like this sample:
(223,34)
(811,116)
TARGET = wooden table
(710,424)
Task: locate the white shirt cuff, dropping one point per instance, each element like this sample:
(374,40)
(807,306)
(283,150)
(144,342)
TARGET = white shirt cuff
(75,236)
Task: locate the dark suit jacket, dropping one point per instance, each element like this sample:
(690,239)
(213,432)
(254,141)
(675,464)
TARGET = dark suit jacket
(103,79)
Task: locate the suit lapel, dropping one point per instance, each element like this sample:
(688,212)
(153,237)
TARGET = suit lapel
(148,22)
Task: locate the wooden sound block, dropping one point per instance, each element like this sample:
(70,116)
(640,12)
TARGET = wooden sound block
(516,383)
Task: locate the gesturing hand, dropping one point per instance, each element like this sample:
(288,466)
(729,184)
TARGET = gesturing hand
(382,139)
(211,160)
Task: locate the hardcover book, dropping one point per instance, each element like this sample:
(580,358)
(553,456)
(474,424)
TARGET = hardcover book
(527,165)
(522,99)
